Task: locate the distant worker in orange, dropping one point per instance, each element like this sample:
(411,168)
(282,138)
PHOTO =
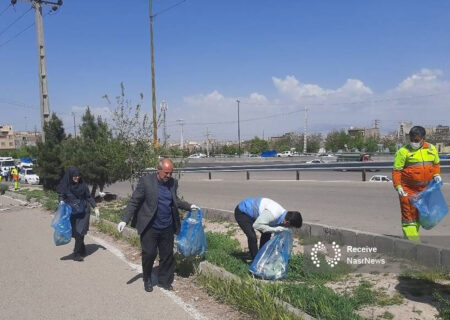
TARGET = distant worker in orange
(15,176)
(415,165)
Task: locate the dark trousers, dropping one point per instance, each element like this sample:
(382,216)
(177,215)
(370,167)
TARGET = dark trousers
(154,241)
(246,224)
(79,245)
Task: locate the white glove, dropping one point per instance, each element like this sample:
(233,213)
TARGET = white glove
(195,207)
(121,226)
(279,229)
(437,179)
(401,192)
(97,212)
(61,202)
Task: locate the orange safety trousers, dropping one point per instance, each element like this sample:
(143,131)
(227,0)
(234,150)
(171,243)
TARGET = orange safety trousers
(410,213)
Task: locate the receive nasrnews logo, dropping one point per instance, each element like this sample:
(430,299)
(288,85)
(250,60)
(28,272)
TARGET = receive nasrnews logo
(332,256)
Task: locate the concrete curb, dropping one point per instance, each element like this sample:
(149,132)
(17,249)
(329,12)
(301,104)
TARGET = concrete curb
(212,270)
(421,253)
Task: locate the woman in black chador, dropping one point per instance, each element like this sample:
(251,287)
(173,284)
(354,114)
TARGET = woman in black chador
(74,192)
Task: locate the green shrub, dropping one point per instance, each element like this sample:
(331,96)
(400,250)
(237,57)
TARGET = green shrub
(3,188)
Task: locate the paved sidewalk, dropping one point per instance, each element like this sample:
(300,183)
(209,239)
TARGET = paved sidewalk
(40,281)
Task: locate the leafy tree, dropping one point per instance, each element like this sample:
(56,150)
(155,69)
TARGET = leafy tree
(91,152)
(49,165)
(314,142)
(133,133)
(390,142)
(336,140)
(257,145)
(371,144)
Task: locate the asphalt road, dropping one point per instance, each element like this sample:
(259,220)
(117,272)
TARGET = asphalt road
(39,280)
(332,198)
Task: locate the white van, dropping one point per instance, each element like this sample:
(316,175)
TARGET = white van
(6,163)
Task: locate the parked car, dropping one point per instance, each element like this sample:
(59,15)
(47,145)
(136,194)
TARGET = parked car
(283,154)
(316,161)
(27,175)
(379,178)
(197,156)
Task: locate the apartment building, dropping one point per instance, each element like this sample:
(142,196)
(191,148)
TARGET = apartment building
(7,141)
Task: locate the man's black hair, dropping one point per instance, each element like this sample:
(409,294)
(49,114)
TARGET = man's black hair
(295,219)
(417,131)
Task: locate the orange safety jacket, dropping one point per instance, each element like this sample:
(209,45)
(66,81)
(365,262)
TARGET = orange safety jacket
(15,174)
(415,167)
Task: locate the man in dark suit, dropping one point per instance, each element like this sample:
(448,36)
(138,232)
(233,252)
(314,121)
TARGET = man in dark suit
(153,209)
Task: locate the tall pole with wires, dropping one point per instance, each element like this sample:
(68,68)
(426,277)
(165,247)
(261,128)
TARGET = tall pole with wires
(155,126)
(42,64)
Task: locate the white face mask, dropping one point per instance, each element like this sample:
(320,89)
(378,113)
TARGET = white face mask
(415,145)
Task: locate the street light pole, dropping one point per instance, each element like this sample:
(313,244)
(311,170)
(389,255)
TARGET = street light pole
(239,131)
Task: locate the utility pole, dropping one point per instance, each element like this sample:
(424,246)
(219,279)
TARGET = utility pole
(74,125)
(43,87)
(305,132)
(207,141)
(239,131)
(155,126)
(163,110)
(377,123)
(181,122)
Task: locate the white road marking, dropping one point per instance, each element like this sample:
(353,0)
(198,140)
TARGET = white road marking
(193,312)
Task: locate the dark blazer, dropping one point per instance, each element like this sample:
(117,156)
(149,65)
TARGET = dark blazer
(144,203)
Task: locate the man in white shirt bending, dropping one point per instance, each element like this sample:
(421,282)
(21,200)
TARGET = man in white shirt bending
(266,216)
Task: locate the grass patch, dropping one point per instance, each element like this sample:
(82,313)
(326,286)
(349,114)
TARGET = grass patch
(387,315)
(301,268)
(443,305)
(226,252)
(318,301)
(384,300)
(112,231)
(249,297)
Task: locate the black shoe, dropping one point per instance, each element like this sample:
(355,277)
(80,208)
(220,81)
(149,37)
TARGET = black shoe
(77,257)
(167,287)
(148,285)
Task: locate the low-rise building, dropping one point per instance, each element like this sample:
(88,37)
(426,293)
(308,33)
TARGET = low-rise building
(26,138)
(7,141)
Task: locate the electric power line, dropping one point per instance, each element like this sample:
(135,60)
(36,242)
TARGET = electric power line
(15,21)
(51,13)
(169,8)
(16,35)
(4,10)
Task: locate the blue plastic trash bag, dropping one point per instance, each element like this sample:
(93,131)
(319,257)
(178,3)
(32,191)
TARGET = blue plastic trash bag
(431,205)
(192,241)
(61,224)
(272,260)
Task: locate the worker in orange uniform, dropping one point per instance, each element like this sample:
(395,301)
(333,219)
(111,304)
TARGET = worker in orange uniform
(15,176)
(415,165)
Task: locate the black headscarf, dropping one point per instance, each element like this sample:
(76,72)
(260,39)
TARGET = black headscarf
(67,185)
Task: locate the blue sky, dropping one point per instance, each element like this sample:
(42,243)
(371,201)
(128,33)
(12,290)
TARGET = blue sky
(349,62)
